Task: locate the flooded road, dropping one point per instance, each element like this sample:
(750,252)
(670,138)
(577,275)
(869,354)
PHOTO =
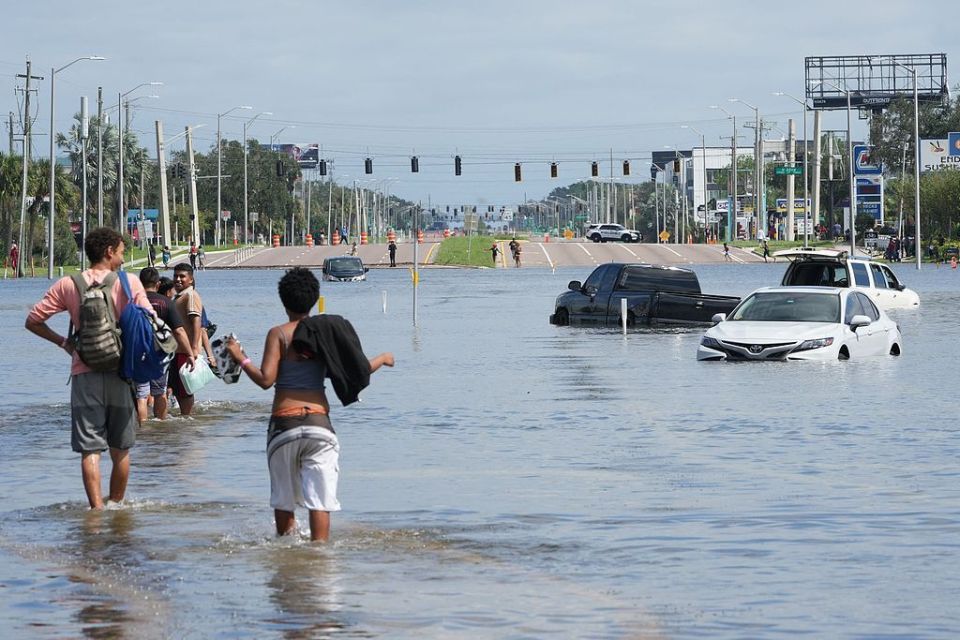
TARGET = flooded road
(508,478)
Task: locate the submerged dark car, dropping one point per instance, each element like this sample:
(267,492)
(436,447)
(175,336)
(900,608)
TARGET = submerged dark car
(344,269)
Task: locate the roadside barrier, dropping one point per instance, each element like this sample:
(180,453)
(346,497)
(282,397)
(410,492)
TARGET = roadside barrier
(309,240)
(391,236)
(363,237)
(446,233)
(276,240)
(546,237)
(243,253)
(336,237)
(419,236)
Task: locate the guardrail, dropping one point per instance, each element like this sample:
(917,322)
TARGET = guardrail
(243,254)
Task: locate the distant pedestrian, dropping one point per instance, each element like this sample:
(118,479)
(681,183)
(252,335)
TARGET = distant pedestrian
(392,248)
(15,259)
(201,256)
(353,249)
(495,251)
(766,250)
(151,255)
(193,255)
(165,256)
(516,255)
(726,252)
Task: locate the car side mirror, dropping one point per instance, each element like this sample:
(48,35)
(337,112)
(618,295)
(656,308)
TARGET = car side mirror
(718,318)
(574,285)
(366,269)
(859,321)
(590,290)
(899,286)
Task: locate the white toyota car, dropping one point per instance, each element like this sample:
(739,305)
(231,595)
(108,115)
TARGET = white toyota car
(802,323)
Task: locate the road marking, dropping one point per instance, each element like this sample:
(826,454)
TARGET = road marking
(627,249)
(670,250)
(544,249)
(432,247)
(588,253)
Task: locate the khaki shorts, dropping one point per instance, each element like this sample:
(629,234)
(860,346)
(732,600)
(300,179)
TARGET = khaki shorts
(102,413)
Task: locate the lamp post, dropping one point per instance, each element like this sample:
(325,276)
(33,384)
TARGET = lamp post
(277,134)
(219,238)
(703,144)
(916,158)
(53,160)
(806,206)
(759,196)
(246,212)
(121,207)
(732,184)
(852,179)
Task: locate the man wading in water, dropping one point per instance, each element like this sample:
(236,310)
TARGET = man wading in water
(302,449)
(102,410)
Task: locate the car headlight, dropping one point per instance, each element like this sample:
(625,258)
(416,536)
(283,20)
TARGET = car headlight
(817,343)
(710,343)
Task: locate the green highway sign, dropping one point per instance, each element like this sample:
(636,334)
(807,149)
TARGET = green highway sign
(788,171)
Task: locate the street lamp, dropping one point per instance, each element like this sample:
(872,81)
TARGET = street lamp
(277,134)
(852,179)
(806,211)
(219,239)
(703,144)
(760,196)
(53,161)
(161,161)
(121,206)
(732,183)
(246,213)
(916,157)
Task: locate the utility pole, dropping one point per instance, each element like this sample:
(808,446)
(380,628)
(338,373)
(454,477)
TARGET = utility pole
(26,160)
(194,211)
(99,156)
(10,130)
(164,201)
(791,187)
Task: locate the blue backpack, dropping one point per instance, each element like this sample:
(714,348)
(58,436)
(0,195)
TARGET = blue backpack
(148,343)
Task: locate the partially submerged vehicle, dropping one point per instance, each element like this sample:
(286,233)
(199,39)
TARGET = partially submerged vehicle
(344,269)
(814,267)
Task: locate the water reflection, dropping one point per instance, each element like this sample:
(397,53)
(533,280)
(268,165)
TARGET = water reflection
(304,590)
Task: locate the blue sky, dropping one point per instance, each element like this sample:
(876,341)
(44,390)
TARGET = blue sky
(495,82)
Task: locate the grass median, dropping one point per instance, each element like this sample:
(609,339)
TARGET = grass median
(468,252)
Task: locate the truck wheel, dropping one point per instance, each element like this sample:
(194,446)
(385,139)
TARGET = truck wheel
(562,317)
(625,237)
(596,237)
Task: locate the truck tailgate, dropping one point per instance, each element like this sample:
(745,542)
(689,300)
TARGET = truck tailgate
(686,308)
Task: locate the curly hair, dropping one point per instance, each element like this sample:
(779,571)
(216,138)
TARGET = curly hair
(98,241)
(299,290)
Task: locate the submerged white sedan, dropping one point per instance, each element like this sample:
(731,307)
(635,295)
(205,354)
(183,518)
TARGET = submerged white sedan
(802,323)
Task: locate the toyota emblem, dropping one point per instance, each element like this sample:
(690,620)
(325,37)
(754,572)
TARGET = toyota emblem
(756,348)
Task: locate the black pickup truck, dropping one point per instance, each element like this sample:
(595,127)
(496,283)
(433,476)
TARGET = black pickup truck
(655,295)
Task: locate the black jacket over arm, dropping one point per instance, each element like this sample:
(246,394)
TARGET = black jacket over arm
(334,340)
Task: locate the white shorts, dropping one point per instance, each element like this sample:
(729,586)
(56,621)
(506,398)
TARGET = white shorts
(304,467)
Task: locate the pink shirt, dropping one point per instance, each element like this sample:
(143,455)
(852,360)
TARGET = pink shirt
(63,296)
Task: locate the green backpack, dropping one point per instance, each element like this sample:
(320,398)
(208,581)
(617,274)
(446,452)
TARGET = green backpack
(97,339)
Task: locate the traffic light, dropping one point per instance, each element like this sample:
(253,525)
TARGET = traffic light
(281,170)
(676,166)
(516,173)
(322,166)
(553,169)
(457,165)
(368,166)
(181,170)
(594,169)
(626,167)
(414,165)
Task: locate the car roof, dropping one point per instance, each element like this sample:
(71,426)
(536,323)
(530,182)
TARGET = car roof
(821,290)
(812,253)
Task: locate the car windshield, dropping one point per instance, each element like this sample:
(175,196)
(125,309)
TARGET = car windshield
(789,306)
(345,266)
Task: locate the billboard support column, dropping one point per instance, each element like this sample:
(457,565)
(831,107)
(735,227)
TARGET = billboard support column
(816,168)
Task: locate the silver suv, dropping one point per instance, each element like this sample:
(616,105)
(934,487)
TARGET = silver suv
(612,233)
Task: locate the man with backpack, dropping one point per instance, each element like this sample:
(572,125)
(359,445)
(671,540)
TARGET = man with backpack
(103,414)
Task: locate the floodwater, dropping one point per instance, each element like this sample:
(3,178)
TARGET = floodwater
(508,479)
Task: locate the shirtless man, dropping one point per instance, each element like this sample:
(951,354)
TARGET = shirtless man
(189,307)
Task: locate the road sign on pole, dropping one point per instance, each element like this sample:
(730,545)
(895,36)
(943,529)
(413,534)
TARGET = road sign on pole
(788,171)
